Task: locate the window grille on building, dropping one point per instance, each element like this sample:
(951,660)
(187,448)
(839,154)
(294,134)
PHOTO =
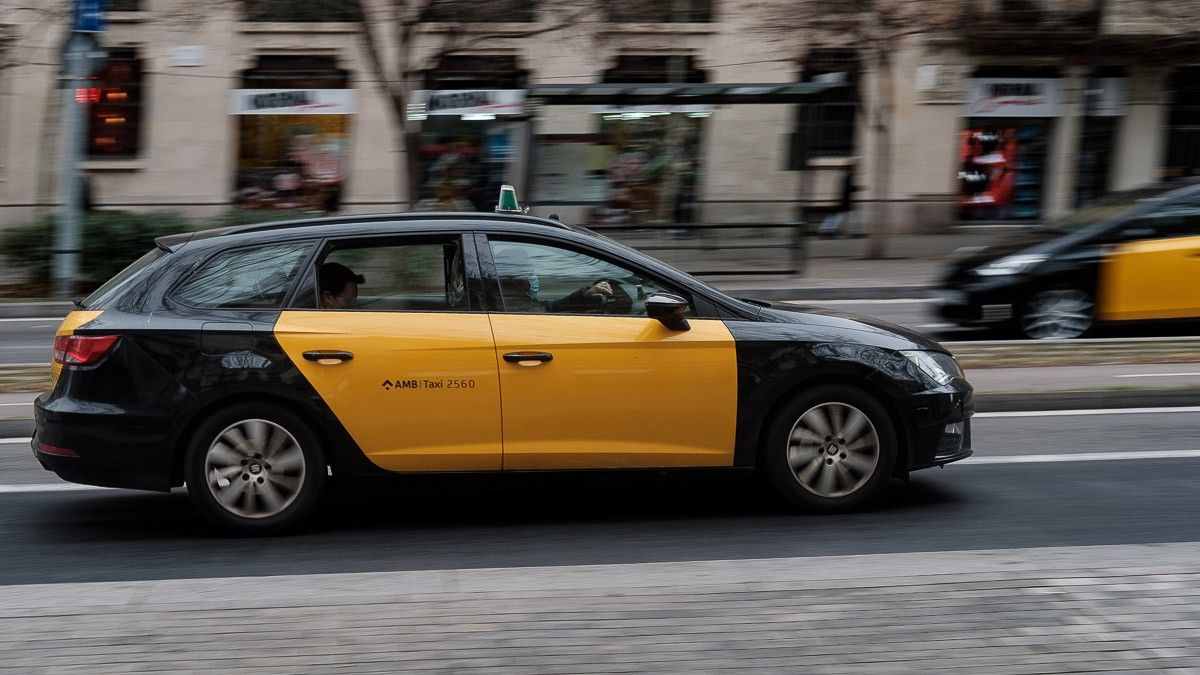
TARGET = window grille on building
(114,98)
(828,125)
(490,11)
(666,11)
(655,69)
(307,10)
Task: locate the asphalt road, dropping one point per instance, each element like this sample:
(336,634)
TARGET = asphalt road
(98,535)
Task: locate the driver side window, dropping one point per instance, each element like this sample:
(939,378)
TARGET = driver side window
(546,279)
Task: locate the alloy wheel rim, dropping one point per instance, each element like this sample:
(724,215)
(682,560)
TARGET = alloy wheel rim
(255,468)
(1059,314)
(833,450)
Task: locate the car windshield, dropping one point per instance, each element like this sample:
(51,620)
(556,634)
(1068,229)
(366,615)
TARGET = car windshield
(1108,207)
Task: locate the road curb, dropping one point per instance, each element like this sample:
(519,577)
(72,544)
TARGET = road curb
(16,428)
(34,310)
(1085,400)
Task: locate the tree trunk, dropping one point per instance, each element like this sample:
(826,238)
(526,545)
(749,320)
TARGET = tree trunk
(882,128)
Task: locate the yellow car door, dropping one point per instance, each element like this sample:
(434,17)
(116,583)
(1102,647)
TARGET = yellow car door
(1155,278)
(588,381)
(399,356)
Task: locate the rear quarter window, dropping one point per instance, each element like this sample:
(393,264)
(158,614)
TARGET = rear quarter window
(116,286)
(257,277)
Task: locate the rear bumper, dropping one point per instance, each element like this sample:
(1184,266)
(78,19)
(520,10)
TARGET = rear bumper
(110,447)
(990,303)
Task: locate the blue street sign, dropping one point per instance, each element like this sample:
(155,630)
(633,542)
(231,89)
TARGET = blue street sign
(89,16)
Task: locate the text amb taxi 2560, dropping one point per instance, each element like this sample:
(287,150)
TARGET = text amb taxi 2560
(252,363)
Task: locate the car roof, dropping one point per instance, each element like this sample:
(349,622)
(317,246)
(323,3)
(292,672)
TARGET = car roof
(360,224)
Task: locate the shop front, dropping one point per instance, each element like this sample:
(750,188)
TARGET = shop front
(470,145)
(294,136)
(1004,148)
(641,166)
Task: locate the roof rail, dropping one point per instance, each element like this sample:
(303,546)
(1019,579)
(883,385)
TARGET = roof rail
(406,215)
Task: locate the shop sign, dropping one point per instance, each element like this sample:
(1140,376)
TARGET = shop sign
(468,102)
(694,109)
(1014,97)
(293,102)
(1107,97)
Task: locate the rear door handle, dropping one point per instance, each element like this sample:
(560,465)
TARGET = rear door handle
(528,358)
(328,358)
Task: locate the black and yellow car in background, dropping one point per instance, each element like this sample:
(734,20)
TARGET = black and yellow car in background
(250,363)
(1134,256)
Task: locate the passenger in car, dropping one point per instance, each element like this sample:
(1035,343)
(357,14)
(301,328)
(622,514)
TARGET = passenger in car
(339,286)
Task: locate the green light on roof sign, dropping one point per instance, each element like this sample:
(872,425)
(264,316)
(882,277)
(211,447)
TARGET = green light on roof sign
(508,200)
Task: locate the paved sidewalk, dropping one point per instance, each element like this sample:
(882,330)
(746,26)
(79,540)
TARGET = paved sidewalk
(1085,609)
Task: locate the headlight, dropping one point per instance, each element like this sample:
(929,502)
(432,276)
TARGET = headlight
(1013,264)
(939,367)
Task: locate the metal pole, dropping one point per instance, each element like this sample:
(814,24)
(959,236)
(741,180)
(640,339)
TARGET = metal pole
(67,235)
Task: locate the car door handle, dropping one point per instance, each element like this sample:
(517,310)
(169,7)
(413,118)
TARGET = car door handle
(528,358)
(328,358)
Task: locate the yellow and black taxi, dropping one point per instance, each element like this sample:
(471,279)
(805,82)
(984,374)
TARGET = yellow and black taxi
(252,363)
(1134,256)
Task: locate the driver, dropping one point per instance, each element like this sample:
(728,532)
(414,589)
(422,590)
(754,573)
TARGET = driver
(519,286)
(339,286)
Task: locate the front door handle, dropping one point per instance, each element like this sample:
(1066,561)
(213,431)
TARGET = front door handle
(328,358)
(528,358)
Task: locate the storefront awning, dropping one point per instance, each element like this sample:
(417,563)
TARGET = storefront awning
(679,94)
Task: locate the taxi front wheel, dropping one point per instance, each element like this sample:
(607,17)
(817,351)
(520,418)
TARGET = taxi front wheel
(831,449)
(254,469)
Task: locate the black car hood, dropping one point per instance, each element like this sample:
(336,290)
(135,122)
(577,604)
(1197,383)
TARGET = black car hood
(872,330)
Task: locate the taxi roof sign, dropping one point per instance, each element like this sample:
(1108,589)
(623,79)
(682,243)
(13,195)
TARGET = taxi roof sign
(508,200)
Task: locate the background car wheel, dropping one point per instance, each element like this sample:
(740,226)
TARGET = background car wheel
(1058,314)
(254,469)
(831,449)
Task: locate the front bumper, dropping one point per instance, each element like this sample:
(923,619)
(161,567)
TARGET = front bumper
(984,303)
(940,432)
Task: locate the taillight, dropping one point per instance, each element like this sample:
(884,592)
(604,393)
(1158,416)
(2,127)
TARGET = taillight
(55,450)
(82,350)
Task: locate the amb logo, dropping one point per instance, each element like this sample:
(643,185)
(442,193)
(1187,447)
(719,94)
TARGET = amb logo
(389,385)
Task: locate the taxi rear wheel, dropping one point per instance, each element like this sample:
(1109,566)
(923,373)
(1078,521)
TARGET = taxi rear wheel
(254,469)
(831,449)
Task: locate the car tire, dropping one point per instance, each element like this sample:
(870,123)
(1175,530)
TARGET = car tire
(1057,314)
(255,469)
(831,449)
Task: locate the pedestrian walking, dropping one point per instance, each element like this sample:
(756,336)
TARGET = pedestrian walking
(844,221)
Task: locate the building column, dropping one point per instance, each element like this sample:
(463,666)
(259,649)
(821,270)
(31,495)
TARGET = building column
(1140,141)
(1063,161)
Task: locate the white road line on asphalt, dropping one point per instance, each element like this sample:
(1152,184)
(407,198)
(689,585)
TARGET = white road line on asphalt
(48,487)
(43,364)
(1160,375)
(48,322)
(1084,457)
(933,326)
(1098,411)
(15,441)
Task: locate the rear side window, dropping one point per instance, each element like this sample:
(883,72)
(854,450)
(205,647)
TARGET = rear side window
(244,278)
(114,287)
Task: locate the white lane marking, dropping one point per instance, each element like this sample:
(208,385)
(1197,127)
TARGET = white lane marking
(43,364)
(48,487)
(933,326)
(1084,457)
(1160,375)
(49,321)
(15,441)
(1098,411)
(863,301)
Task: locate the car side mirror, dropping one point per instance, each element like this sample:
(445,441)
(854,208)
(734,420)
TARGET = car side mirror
(669,310)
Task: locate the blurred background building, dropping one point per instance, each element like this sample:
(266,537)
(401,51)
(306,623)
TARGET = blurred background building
(996,110)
